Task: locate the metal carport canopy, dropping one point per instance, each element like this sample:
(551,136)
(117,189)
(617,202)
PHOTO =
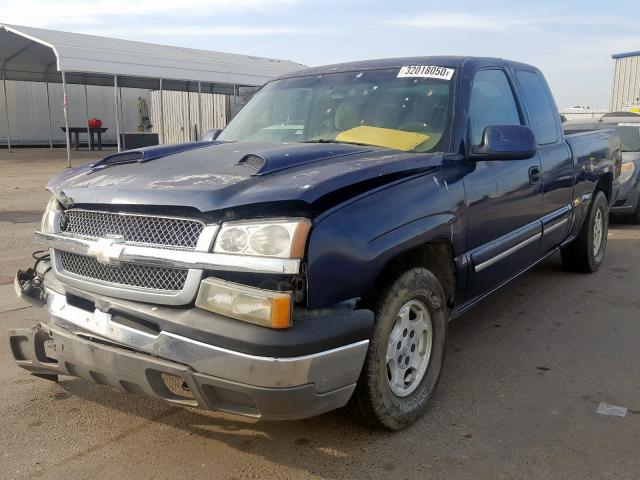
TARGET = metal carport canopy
(26,53)
(41,55)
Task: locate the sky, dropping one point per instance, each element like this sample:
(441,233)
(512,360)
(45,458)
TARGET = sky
(571,41)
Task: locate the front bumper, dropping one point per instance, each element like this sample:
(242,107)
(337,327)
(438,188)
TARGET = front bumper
(113,349)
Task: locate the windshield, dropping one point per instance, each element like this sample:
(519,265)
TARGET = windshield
(629,136)
(376,107)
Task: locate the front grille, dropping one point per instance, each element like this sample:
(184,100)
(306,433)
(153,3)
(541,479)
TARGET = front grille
(153,230)
(129,274)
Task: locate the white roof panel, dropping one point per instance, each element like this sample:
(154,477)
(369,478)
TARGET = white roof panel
(29,49)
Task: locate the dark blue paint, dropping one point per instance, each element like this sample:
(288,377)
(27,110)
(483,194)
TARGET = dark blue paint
(371,204)
(485,208)
(284,156)
(505,142)
(146,154)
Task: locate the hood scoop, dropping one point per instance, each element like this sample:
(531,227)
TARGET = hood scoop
(146,154)
(283,157)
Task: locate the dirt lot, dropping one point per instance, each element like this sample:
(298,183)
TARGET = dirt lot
(524,375)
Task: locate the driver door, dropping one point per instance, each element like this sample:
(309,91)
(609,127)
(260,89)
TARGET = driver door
(503,197)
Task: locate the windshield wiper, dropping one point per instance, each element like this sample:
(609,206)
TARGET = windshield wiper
(330,140)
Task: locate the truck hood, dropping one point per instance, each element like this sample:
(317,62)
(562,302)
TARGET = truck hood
(221,176)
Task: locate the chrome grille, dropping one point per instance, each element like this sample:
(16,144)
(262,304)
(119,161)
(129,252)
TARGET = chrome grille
(130,274)
(152,230)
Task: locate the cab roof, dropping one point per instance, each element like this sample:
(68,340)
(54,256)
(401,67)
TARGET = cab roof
(439,60)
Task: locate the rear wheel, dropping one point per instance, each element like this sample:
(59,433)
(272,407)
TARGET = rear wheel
(405,354)
(586,252)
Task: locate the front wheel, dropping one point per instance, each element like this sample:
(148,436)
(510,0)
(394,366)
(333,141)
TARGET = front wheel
(586,252)
(406,352)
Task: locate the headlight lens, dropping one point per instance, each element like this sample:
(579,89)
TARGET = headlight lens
(234,240)
(48,218)
(627,171)
(281,238)
(254,305)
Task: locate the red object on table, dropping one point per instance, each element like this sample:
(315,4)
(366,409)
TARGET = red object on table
(95,123)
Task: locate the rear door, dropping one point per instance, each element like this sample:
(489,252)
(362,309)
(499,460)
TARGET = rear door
(504,200)
(555,158)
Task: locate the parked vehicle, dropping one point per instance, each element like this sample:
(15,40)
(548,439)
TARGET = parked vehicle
(627,124)
(312,255)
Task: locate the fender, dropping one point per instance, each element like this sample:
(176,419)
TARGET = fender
(591,165)
(351,245)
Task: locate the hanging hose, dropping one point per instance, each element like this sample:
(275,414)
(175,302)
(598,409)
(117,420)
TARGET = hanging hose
(29,283)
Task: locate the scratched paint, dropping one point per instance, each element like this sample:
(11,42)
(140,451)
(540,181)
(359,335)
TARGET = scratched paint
(195,180)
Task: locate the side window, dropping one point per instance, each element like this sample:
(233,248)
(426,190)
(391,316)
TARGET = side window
(540,106)
(491,103)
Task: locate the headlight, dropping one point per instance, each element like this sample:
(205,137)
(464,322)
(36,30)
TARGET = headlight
(254,305)
(627,171)
(47,225)
(281,238)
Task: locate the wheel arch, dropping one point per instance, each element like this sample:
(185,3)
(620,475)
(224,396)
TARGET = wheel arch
(435,255)
(605,185)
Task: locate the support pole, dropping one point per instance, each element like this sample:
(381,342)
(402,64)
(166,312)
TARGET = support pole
(162,137)
(65,105)
(200,132)
(86,110)
(235,102)
(189,111)
(46,82)
(115,97)
(6,109)
(122,124)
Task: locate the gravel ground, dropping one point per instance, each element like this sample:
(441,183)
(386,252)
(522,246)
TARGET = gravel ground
(524,375)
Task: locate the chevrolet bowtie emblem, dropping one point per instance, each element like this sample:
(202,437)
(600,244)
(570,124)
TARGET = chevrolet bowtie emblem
(108,249)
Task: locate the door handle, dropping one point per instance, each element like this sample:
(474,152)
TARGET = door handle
(535,173)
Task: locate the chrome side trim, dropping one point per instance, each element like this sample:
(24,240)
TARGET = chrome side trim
(328,370)
(172,258)
(506,253)
(555,226)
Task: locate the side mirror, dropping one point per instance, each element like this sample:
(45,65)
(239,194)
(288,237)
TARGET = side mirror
(505,142)
(211,135)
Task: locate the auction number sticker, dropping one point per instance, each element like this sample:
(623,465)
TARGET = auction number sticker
(425,71)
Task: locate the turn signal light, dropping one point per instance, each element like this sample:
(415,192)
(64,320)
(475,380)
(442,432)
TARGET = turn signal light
(249,304)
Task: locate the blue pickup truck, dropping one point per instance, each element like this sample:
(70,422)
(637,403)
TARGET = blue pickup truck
(311,256)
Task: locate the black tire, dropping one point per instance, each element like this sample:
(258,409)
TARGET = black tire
(373,402)
(579,255)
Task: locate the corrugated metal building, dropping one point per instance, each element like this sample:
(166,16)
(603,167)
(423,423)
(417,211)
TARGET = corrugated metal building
(625,91)
(30,123)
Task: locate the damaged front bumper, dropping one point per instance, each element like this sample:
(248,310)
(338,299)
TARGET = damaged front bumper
(118,343)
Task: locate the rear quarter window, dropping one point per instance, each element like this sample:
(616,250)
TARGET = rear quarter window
(541,108)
